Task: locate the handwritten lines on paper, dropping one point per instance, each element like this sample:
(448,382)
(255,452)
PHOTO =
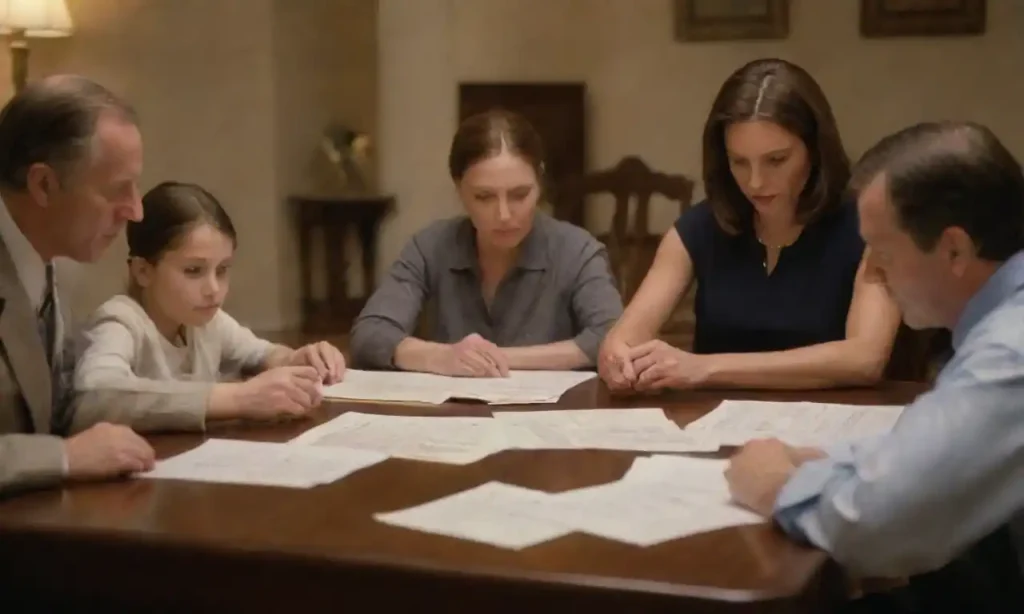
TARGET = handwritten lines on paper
(519,388)
(457,440)
(660,499)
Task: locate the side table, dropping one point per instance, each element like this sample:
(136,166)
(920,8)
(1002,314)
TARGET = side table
(332,217)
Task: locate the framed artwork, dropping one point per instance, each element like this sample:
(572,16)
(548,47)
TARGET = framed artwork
(721,20)
(884,18)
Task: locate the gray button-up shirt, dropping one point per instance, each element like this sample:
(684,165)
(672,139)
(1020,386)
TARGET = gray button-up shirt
(561,288)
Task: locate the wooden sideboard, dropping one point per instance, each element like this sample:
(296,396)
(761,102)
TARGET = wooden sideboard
(332,218)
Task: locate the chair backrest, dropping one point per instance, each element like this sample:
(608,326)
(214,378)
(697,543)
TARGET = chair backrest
(631,247)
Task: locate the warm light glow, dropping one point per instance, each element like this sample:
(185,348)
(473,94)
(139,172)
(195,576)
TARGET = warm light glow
(37,18)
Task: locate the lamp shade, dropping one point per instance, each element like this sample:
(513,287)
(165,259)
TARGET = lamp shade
(36,18)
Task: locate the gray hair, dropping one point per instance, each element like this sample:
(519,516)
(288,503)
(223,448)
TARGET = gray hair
(52,121)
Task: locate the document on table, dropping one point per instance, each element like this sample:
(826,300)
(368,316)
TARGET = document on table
(660,498)
(640,429)
(800,424)
(520,387)
(389,386)
(492,513)
(441,439)
(264,464)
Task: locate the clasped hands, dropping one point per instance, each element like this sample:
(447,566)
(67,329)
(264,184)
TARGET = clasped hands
(472,356)
(650,366)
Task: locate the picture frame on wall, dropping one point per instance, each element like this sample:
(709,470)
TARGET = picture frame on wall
(888,18)
(724,20)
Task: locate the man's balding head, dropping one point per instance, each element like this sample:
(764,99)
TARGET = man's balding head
(70,161)
(52,121)
(941,206)
(940,175)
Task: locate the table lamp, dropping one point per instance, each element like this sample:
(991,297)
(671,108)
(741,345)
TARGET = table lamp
(21,20)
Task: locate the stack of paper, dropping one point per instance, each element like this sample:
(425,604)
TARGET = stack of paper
(258,463)
(466,440)
(520,387)
(798,424)
(660,499)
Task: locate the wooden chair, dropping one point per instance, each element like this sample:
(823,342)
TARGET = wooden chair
(631,247)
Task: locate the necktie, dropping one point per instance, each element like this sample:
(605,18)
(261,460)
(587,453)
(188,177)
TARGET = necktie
(47,318)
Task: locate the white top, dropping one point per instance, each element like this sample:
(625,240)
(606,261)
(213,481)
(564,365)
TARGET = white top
(128,372)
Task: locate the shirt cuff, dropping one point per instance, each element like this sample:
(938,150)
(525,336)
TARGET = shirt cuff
(801,494)
(65,466)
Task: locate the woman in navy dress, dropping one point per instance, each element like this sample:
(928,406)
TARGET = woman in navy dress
(783,300)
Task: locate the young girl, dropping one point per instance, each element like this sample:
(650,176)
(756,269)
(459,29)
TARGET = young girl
(153,359)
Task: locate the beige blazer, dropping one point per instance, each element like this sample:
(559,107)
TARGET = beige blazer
(31,450)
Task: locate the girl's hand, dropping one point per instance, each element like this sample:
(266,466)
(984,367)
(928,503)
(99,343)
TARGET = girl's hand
(322,356)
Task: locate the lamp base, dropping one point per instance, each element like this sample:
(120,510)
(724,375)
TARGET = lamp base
(19,60)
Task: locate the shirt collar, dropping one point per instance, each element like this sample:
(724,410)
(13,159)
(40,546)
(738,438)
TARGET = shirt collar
(28,264)
(532,253)
(1005,282)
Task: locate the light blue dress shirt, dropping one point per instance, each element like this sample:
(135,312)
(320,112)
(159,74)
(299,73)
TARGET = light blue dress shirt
(948,474)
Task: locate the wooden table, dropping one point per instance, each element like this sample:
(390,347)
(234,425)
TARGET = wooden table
(195,547)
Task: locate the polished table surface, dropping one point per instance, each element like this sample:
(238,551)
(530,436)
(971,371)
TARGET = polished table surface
(166,545)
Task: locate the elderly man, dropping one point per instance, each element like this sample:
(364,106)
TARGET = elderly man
(939,498)
(70,159)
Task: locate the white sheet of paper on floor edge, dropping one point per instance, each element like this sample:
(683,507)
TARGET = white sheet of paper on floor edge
(797,423)
(498,514)
(263,464)
(441,439)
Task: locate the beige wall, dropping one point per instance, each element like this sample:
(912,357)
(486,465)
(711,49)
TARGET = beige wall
(649,94)
(234,92)
(232,95)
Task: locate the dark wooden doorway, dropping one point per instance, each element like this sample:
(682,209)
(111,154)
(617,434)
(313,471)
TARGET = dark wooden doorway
(557,111)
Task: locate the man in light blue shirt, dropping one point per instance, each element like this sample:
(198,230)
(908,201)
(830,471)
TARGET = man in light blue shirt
(939,499)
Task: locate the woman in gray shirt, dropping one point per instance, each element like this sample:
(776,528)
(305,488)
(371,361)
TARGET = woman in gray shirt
(510,287)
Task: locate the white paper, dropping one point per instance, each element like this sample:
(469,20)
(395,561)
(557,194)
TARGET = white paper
(390,386)
(799,423)
(441,439)
(520,387)
(572,418)
(493,513)
(644,430)
(260,463)
(660,499)
(645,513)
